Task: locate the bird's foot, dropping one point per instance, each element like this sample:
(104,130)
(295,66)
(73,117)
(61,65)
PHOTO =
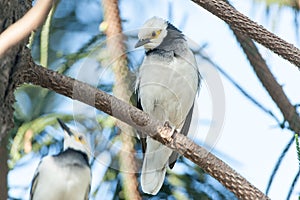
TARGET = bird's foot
(166,133)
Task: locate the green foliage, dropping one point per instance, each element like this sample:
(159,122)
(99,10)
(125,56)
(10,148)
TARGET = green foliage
(290,3)
(35,127)
(37,108)
(293,4)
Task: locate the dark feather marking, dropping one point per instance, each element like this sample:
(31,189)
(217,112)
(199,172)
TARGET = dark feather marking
(136,101)
(172,27)
(34,184)
(63,157)
(170,43)
(184,131)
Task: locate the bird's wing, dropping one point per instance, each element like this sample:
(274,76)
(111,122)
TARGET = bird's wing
(184,130)
(142,135)
(34,181)
(86,196)
(88,189)
(136,101)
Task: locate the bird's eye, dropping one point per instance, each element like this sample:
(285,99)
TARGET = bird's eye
(153,34)
(80,139)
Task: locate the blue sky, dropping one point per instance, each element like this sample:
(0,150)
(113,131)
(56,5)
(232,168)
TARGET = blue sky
(250,141)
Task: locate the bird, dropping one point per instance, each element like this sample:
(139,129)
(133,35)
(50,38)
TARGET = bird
(167,84)
(66,175)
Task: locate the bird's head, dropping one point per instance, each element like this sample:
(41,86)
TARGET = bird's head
(75,140)
(152,33)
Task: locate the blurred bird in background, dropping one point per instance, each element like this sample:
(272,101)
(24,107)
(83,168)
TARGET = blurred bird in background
(66,175)
(166,88)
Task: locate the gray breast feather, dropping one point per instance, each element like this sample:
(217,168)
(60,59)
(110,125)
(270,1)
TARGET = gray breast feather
(64,176)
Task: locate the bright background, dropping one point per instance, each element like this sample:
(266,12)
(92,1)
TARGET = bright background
(250,140)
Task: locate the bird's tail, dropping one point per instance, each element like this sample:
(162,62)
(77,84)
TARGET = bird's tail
(154,166)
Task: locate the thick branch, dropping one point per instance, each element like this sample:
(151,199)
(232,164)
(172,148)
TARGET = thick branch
(4,167)
(269,82)
(235,19)
(141,121)
(23,27)
(244,25)
(10,11)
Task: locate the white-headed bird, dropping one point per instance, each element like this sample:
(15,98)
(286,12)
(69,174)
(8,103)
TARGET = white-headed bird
(166,88)
(66,175)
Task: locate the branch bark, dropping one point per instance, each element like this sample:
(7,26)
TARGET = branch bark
(3,167)
(141,121)
(10,65)
(116,48)
(136,118)
(244,25)
(16,32)
(268,80)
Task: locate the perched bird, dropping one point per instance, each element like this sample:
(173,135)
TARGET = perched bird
(166,87)
(66,175)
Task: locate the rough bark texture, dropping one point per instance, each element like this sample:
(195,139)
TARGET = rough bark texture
(116,47)
(141,121)
(243,24)
(10,66)
(16,58)
(269,82)
(3,168)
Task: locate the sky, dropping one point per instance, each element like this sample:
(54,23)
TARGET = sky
(248,140)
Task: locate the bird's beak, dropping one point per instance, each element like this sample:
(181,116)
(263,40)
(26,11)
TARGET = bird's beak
(142,42)
(64,127)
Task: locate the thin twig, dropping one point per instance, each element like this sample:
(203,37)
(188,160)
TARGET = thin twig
(268,80)
(278,163)
(243,91)
(293,185)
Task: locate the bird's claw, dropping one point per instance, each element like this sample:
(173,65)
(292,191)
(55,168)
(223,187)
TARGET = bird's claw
(168,126)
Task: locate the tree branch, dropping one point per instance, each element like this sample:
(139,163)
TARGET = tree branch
(242,24)
(141,121)
(10,11)
(136,118)
(116,49)
(24,26)
(4,167)
(36,16)
(268,80)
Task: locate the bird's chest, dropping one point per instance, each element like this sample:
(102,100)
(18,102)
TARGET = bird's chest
(74,175)
(59,180)
(167,88)
(73,181)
